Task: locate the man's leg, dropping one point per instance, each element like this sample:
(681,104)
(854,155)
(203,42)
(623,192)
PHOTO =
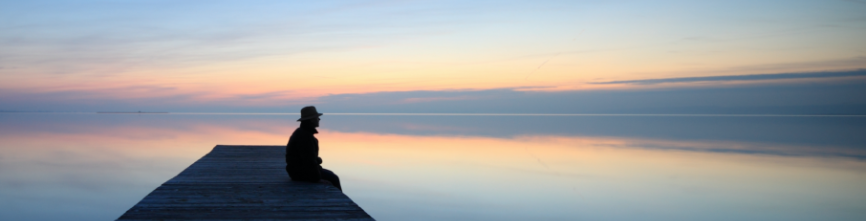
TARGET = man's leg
(331,177)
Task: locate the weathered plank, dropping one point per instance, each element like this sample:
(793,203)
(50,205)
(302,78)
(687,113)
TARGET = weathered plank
(243,183)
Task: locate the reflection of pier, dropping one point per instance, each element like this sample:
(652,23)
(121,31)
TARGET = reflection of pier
(243,183)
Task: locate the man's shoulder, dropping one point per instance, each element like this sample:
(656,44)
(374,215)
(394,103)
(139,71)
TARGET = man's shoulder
(300,131)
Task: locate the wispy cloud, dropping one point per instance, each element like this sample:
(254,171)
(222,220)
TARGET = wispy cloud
(429,99)
(94,39)
(753,77)
(813,97)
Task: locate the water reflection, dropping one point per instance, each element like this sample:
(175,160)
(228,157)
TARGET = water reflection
(91,166)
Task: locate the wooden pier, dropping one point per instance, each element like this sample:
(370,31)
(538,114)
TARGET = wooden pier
(243,183)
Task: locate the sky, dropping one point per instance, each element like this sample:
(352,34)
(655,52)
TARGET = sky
(720,57)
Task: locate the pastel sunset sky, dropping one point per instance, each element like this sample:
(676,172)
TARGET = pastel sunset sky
(435,56)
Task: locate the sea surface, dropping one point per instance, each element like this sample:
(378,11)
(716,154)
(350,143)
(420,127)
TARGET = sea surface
(88,166)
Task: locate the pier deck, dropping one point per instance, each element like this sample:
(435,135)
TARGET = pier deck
(243,183)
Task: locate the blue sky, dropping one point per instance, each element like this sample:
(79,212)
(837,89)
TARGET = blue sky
(275,55)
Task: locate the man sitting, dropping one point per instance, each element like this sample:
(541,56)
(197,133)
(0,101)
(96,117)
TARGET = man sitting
(302,152)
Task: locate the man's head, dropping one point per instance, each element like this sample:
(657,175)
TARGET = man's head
(310,116)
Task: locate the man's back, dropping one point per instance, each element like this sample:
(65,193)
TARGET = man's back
(302,155)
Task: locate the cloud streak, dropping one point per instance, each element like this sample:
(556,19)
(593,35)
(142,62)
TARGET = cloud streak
(753,77)
(809,97)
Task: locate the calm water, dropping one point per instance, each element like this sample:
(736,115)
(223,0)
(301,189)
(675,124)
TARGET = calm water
(96,166)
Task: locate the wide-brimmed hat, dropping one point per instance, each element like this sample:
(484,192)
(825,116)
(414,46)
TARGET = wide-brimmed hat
(309,112)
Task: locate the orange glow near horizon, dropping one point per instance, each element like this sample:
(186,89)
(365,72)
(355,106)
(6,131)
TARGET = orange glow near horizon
(304,82)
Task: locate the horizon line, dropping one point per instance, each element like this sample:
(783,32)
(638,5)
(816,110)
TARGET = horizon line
(458,114)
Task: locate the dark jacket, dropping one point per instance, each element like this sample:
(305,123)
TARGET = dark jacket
(302,155)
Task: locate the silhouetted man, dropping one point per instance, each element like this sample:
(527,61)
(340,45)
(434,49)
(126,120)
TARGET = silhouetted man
(302,153)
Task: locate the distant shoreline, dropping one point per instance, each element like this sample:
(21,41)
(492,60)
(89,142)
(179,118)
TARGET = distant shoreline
(130,112)
(451,114)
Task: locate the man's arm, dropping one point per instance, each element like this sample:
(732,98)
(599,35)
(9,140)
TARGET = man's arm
(310,158)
